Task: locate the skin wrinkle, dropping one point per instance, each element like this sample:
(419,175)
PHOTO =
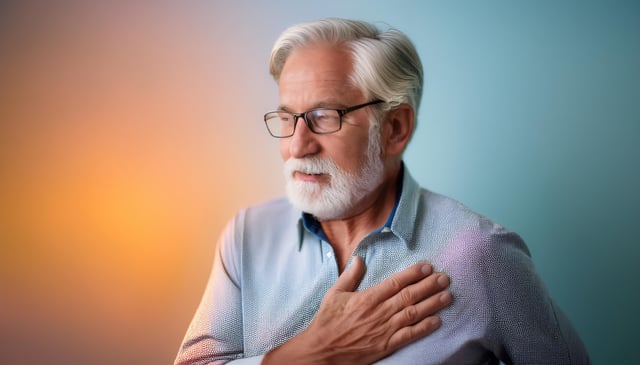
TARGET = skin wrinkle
(311,76)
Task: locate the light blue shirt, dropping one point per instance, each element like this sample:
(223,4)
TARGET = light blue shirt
(270,275)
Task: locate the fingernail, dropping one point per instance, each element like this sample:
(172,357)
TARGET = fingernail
(426,269)
(443,280)
(445,297)
(434,322)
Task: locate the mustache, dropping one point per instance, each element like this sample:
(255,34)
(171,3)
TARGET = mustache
(310,165)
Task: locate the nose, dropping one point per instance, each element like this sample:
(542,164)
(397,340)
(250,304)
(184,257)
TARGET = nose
(302,143)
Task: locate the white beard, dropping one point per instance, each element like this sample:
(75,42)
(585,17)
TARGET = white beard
(344,190)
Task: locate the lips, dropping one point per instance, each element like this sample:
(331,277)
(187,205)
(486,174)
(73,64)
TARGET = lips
(312,170)
(308,177)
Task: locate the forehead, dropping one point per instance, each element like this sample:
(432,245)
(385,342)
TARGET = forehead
(317,73)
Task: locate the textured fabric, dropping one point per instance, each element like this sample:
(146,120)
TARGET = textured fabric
(270,275)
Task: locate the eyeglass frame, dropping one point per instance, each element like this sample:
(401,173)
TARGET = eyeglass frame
(303,115)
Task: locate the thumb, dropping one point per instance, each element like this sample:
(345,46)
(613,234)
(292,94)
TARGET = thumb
(351,277)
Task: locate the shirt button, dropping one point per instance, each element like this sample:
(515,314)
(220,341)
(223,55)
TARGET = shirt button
(329,254)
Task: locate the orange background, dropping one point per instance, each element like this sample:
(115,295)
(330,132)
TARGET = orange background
(129,136)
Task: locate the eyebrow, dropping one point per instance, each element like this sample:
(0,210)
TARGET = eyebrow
(322,104)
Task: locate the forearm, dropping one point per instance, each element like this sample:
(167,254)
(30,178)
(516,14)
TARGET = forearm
(297,351)
(215,335)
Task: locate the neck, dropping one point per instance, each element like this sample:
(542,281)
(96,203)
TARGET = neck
(345,234)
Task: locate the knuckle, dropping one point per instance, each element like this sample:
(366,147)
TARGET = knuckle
(411,314)
(404,337)
(407,296)
(395,284)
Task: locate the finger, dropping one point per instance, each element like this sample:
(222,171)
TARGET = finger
(417,313)
(422,325)
(417,292)
(407,335)
(398,281)
(351,277)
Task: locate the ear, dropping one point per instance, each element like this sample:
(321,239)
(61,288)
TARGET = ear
(397,129)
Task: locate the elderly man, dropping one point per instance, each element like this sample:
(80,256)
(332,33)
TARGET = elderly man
(350,269)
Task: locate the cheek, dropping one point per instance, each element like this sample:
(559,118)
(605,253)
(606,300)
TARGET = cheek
(351,156)
(284,149)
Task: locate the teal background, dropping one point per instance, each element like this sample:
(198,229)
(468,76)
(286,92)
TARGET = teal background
(531,116)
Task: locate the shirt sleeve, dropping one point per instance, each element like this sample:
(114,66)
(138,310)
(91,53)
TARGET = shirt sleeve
(527,326)
(215,335)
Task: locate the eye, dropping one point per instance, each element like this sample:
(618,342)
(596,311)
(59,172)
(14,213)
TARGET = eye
(285,117)
(324,119)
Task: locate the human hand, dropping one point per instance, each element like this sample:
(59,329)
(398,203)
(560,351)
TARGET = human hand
(363,327)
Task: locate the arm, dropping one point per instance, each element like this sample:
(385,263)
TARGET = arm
(363,327)
(531,328)
(216,334)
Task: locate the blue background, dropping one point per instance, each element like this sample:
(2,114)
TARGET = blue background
(531,116)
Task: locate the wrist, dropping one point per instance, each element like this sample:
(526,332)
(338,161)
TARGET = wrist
(297,351)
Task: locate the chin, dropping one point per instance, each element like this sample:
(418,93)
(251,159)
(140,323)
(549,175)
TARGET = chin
(323,202)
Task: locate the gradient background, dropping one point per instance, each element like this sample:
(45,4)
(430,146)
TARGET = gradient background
(131,132)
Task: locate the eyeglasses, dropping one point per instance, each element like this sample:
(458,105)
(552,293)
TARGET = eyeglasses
(282,124)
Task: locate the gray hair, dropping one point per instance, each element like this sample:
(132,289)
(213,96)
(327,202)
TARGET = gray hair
(386,63)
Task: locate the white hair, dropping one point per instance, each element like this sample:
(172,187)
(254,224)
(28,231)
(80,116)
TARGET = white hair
(386,63)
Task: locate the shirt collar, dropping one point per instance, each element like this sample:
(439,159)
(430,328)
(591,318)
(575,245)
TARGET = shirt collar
(400,221)
(311,224)
(404,220)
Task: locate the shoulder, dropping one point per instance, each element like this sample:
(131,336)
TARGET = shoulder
(485,260)
(257,231)
(261,222)
(265,218)
(272,213)
(450,211)
(269,210)
(464,234)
